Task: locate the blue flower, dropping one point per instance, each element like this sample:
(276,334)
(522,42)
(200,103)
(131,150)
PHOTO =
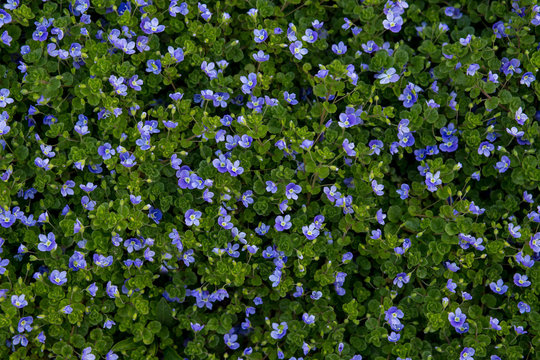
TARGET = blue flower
(521,280)
(499,287)
(403,191)
(279,330)
(297,50)
(401,279)
(153,66)
(503,165)
(260,35)
(58,277)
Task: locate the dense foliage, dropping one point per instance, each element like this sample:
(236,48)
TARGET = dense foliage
(257,179)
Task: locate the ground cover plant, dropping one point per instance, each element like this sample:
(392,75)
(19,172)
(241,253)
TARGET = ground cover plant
(256,179)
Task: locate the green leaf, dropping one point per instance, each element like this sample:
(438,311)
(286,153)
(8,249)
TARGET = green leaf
(124,345)
(171,354)
(395,213)
(164,312)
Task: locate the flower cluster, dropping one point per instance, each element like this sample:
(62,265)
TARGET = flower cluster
(253,180)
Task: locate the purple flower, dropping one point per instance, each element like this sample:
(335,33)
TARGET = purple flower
(310,232)
(520,116)
(4,97)
(475,209)
(112,290)
(514,230)
(151,26)
(389,76)
(347,25)
(405,139)
(279,330)
(67,188)
(453,12)
(175,9)
(197,327)
(451,266)
(375,146)
(3,264)
(465,41)
(515,132)
(370,47)
(410,95)
(503,165)
(297,50)
(20,339)
(282,223)
(176,54)
(401,279)
(310,36)
(449,144)
(509,67)
(292,190)
(494,322)
(494,78)
(234,169)
(40,34)
(155,214)
(5,18)
(25,324)
(19,301)
(260,56)
(271,187)
(283,206)
(106,151)
(403,192)
(308,319)
(135,83)
(393,22)
(209,69)
(377,188)
(534,243)
(499,287)
(473,68)
(47,243)
(58,278)
(248,82)
(247,198)
(317,24)
(521,280)
(462,329)
(153,66)
(393,314)
(451,286)
(220,99)
(6,39)
(260,35)
(457,318)
(523,307)
(394,337)
(192,217)
(92,289)
(87,354)
(380,216)
(108,324)
(225,222)
(339,49)
(432,180)
(485,148)
(290,98)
